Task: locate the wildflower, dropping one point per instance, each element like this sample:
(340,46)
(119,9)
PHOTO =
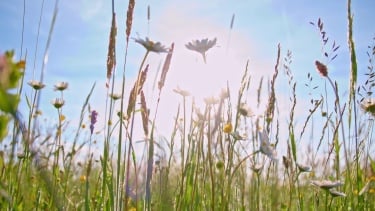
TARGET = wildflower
(82,178)
(37,85)
(115,96)
(228,128)
(58,103)
(201,46)
(62,117)
(61,86)
(257,168)
(211,100)
(322,68)
(245,110)
(151,46)
(326,184)
(368,105)
(303,168)
(224,94)
(93,118)
(265,146)
(181,92)
(335,193)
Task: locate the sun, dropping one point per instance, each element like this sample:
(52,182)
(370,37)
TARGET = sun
(204,79)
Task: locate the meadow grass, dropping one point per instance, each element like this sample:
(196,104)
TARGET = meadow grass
(219,157)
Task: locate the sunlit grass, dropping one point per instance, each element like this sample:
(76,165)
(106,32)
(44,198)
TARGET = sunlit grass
(219,156)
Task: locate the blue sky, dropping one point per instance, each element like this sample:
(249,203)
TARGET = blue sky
(80,42)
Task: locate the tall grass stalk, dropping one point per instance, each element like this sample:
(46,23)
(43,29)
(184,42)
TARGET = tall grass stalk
(352,98)
(107,177)
(121,165)
(131,115)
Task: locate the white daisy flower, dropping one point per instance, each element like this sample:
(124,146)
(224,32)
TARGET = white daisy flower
(156,47)
(58,103)
(201,46)
(335,193)
(36,84)
(326,184)
(265,146)
(61,86)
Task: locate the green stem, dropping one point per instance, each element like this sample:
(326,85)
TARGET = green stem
(131,133)
(210,162)
(340,113)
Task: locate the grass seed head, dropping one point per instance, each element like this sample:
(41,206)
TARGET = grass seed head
(322,68)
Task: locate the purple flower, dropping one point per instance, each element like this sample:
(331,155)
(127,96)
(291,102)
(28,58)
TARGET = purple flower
(93,118)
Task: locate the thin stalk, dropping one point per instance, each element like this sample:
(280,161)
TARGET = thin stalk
(131,132)
(352,96)
(111,67)
(258,192)
(37,37)
(82,115)
(88,170)
(183,169)
(150,161)
(210,162)
(121,169)
(340,113)
(55,12)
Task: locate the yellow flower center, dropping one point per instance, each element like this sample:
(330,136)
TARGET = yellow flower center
(228,128)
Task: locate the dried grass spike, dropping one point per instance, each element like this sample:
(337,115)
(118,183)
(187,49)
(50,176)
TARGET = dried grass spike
(144,113)
(142,79)
(166,67)
(129,18)
(272,97)
(322,69)
(136,90)
(131,102)
(111,57)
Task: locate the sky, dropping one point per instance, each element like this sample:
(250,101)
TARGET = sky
(79,45)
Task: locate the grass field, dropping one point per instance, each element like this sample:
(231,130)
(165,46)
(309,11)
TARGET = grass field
(218,157)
